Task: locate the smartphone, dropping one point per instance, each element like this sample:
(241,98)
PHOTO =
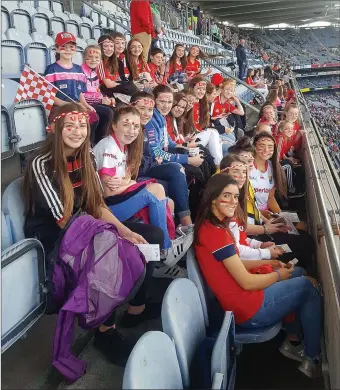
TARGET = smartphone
(293,262)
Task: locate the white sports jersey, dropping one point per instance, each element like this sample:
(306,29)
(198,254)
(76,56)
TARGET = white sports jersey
(110,158)
(262,183)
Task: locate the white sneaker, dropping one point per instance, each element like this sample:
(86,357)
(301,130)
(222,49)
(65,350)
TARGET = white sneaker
(163,271)
(179,248)
(184,230)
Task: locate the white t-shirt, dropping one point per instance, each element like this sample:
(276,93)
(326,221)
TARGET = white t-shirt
(110,158)
(262,183)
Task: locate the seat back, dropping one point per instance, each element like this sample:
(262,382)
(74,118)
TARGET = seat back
(183,322)
(57,25)
(195,275)
(42,38)
(44,4)
(72,27)
(12,59)
(6,234)
(37,55)
(32,112)
(97,32)
(13,208)
(153,364)
(86,31)
(22,19)
(5,20)
(8,92)
(223,359)
(20,36)
(7,147)
(41,21)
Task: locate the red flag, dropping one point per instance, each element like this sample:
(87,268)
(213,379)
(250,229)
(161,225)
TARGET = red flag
(34,86)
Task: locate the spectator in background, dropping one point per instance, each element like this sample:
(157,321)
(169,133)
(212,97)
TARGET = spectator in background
(241,56)
(141,24)
(157,23)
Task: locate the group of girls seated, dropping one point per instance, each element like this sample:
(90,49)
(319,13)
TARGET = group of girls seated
(153,167)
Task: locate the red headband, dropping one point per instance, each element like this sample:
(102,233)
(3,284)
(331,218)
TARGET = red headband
(146,101)
(49,127)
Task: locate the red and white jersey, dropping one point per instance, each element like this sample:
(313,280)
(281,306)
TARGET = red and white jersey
(262,182)
(110,157)
(193,68)
(218,108)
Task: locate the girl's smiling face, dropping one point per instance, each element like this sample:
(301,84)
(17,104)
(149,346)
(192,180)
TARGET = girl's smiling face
(136,49)
(145,107)
(292,114)
(265,149)
(200,89)
(92,58)
(238,172)
(228,91)
(108,47)
(179,109)
(127,128)
(194,51)
(269,113)
(248,158)
(225,205)
(119,44)
(164,103)
(74,131)
(67,51)
(180,51)
(287,129)
(191,101)
(212,96)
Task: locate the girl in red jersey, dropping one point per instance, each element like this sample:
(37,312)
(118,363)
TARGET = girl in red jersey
(194,64)
(157,66)
(291,113)
(176,67)
(290,164)
(208,137)
(259,86)
(267,116)
(257,300)
(140,71)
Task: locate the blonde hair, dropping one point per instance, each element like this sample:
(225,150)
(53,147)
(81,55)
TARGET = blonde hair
(226,82)
(282,124)
(93,47)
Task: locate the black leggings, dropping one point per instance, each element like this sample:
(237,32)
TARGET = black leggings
(153,235)
(99,129)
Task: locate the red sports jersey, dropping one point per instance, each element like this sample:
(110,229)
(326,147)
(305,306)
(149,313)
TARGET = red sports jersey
(156,75)
(249,81)
(284,145)
(218,108)
(177,68)
(193,68)
(104,73)
(196,114)
(216,247)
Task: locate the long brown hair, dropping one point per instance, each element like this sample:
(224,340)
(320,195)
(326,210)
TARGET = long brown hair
(132,63)
(241,211)
(242,145)
(204,105)
(279,176)
(178,96)
(272,95)
(110,63)
(213,190)
(135,149)
(188,122)
(91,196)
(184,60)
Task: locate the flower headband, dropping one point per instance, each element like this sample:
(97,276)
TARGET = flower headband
(147,102)
(80,115)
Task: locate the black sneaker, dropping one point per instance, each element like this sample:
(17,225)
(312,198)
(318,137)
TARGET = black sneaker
(152,311)
(113,346)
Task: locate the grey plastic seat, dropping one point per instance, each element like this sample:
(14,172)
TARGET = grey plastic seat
(95,17)
(6,8)
(6,234)
(22,17)
(58,23)
(57,6)
(42,38)
(81,43)
(97,32)
(33,112)
(86,28)
(7,147)
(44,4)
(183,322)
(73,27)
(153,364)
(37,56)
(12,59)
(41,21)
(8,92)
(22,37)
(91,42)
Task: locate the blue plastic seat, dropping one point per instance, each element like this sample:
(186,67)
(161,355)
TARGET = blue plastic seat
(242,335)
(153,364)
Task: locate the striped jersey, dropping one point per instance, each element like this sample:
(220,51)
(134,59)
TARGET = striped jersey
(70,81)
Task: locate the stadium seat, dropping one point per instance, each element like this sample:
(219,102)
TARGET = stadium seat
(22,18)
(95,17)
(91,42)
(44,4)
(7,147)
(42,38)
(97,32)
(32,112)
(58,23)
(22,301)
(183,322)
(110,23)
(8,92)
(13,208)
(5,19)
(242,335)
(37,56)
(22,37)
(41,21)
(73,27)
(12,59)
(57,6)
(86,28)
(6,234)
(81,43)
(153,364)
(223,359)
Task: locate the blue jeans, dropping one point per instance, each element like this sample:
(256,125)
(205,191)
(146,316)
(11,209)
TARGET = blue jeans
(227,141)
(157,211)
(294,295)
(177,185)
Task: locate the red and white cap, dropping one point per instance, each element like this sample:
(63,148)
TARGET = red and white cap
(64,37)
